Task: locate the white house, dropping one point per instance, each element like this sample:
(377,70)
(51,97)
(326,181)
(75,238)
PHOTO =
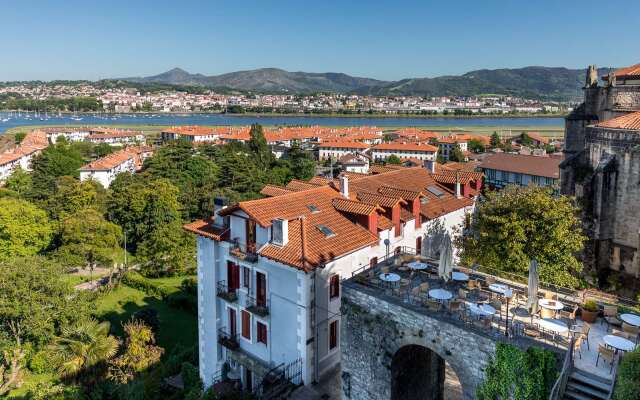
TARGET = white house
(20,157)
(71,134)
(446,146)
(269,270)
(105,169)
(116,137)
(190,133)
(335,150)
(423,152)
(357,163)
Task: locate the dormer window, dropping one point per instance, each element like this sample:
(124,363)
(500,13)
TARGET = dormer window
(326,231)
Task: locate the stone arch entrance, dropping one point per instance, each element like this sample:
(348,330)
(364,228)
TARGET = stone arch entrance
(417,373)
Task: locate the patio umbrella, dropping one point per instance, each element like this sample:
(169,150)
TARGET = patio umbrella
(426,246)
(532,292)
(445,267)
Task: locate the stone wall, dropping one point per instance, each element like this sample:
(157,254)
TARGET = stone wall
(373,330)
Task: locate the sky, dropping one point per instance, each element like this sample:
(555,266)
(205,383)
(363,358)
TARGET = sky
(386,40)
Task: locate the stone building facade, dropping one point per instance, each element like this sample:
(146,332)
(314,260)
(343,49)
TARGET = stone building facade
(602,170)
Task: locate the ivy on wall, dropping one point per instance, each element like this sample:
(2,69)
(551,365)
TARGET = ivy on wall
(519,375)
(627,387)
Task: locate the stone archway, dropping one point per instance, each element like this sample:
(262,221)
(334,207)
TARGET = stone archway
(417,373)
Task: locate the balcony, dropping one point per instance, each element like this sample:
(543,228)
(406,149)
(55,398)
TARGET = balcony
(223,291)
(244,252)
(257,306)
(228,340)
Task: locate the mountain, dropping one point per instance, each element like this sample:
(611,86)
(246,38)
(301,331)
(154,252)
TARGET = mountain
(530,82)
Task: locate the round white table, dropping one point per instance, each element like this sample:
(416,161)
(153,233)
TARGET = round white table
(501,289)
(553,325)
(618,343)
(459,276)
(390,277)
(631,319)
(482,310)
(440,294)
(551,304)
(417,265)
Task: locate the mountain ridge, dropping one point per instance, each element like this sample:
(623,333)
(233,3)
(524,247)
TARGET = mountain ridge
(550,83)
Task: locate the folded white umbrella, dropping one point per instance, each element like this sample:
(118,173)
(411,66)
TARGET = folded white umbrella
(532,289)
(445,267)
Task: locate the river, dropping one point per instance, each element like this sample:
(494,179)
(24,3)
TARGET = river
(10,121)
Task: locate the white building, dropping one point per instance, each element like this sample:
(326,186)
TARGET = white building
(423,152)
(269,270)
(20,157)
(115,137)
(190,133)
(446,146)
(105,169)
(71,134)
(336,150)
(357,163)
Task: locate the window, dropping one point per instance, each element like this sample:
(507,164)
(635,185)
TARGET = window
(436,191)
(246,325)
(313,208)
(334,286)
(333,335)
(261,332)
(326,231)
(246,277)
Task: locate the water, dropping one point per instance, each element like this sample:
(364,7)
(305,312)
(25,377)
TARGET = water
(10,121)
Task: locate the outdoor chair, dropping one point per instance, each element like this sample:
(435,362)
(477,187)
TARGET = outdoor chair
(384,270)
(405,282)
(489,280)
(611,316)
(607,354)
(454,306)
(497,304)
(472,284)
(482,323)
(577,347)
(621,334)
(633,331)
(433,305)
(531,331)
(462,294)
(569,316)
(550,296)
(585,332)
(424,287)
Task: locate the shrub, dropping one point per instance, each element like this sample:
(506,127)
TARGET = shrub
(184,302)
(190,285)
(149,316)
(41,363)
(590,305)
(627,387)
(139,282)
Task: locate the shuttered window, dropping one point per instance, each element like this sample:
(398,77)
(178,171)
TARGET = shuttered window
(261,332)
(246,325)
(334,286)
(333,335)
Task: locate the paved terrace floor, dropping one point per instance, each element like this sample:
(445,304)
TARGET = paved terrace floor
(522,328)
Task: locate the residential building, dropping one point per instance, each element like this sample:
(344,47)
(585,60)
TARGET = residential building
(501,169)
(269,270)
(20,157)
(357,163)
(416,151)
(336,150)
(446,146)
(116,137)
(104,170)
(70,134)
(190,133)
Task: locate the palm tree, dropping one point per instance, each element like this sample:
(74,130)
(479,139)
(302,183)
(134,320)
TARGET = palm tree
(82,346)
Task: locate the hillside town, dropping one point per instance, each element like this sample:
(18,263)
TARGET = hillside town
(127,100)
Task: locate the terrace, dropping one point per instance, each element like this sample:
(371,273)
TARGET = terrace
(495,304)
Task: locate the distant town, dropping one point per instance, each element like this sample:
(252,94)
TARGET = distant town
(89,97)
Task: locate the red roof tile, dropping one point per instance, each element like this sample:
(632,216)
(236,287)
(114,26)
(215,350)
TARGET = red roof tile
(629,121)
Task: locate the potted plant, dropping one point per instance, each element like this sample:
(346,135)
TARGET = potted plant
(589,311)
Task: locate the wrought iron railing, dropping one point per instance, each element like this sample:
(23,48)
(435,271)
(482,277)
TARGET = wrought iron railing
(225,292)
(278,381)
(257,305)
(557,392)
(227,339)
(245,252)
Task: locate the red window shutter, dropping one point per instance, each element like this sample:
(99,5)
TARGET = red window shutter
(236,276)
(334,286)
(333,335)
(246,325)
(246,273)
(262,332)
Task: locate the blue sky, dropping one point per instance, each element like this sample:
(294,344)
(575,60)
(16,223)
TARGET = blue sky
(379,39)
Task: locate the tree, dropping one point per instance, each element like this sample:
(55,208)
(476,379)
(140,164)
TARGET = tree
(168,251)
(24,229)
(61,159)
(476,146)
(12,362)
(35,296)
(258,146)
(140,353)
(19,182)
(83,346)
(525,140)
(456,154)
(627,387)
(88,240)
(103,149)
(70,196)
(495,140)
(393,159)
(302,164)
(519,224)
(19,137)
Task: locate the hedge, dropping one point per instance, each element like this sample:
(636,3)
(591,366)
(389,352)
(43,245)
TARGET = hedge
(139,282)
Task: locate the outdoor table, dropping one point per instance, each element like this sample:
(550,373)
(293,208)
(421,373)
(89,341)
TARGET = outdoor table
(417,265)
(481,310)
(502,289)
(553,325)
(390,278)
(631,319)
(550,307)
(618,343)
(459,276)
(440,294)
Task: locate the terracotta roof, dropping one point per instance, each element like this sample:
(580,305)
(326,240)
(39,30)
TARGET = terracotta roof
(345,145)
(405,147)
(451,177)
(354,207)
(629,121)
(538,137)
(194,130)
(403,193)
(297,185)
(109,162)
(207,229)
(384,223)
(320,180)
(524,164)
(273,190)
(406,215)
(378,199)
(469,166)
(632,71)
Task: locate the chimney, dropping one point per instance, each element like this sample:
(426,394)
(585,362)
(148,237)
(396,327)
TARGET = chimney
(430,165)
(344,186)
(458,188)
(280,232)
(219,204)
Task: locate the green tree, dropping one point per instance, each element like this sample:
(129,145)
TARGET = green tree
(627,387)
(393,159)
(495,140)
(525,140)
(24,229)
(258,146)
(456,154)
(103,149)
(70,196)
(139,354)
(61,159)
(19,182)
(519,224)
(35,296)
(302,163)
(168,251)
(88,240)
(475,146)
(19,137)
(83,346)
